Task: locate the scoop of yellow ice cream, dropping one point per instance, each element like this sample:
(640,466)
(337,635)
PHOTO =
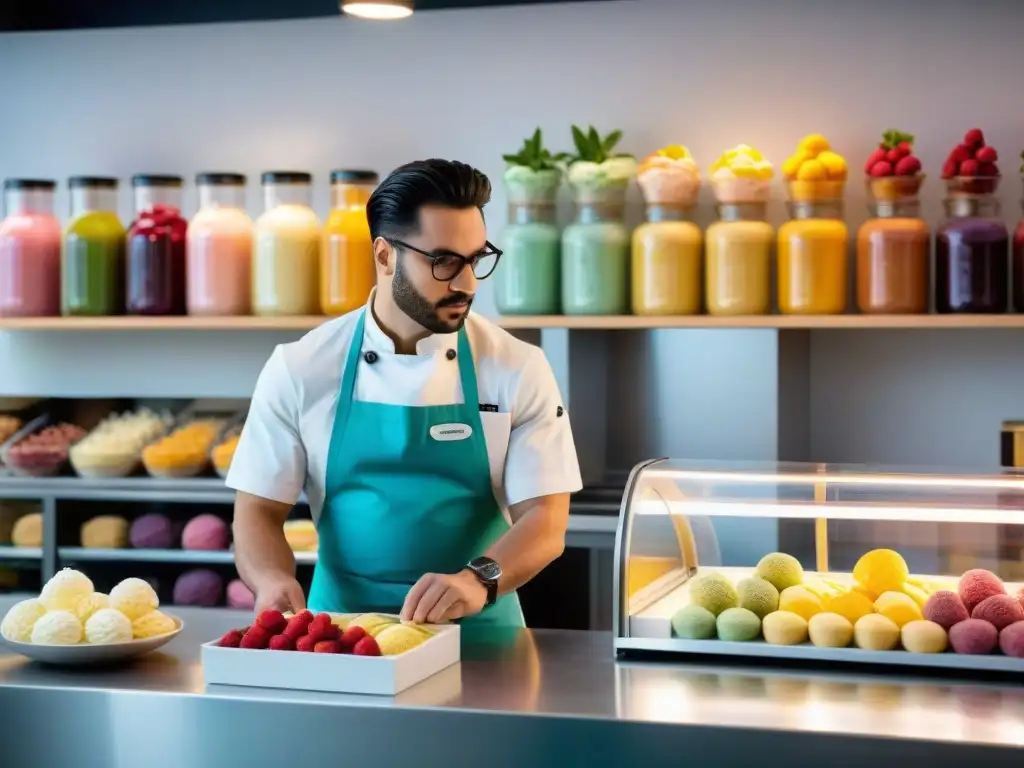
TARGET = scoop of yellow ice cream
(398,638)
(301,535)
(19,620)
(28,531)
(105,532)
(134,598)
(89,604)
(153,624)
(57,628)
(63,591)
(373,623)
(108,626)
(898,607)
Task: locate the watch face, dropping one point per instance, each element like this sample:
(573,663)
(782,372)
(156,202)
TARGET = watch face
(486,568)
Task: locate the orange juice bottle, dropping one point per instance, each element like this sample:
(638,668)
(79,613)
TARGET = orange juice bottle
(347,273)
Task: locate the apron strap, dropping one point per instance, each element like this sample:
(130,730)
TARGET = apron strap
(348,376)
(467,373)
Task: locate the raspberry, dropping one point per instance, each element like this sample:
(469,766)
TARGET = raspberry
(327,646)
(257,637)
(232,639)
(988,170)
(322,629)
(351,636)
(297,626)
(950,169)
(986,155)
(908,166)
(906,148)
(282,643)
(969,168)
(366,647)
(894,155)
(960,153)
(272,621)
(876,156)
(974,138)
(305,644)
(880,169)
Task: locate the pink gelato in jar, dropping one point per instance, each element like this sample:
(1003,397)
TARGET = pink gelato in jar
(669,177)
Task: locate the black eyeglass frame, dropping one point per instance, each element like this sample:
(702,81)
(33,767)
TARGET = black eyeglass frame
(471,261)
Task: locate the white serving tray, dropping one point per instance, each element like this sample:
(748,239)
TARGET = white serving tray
(333,673)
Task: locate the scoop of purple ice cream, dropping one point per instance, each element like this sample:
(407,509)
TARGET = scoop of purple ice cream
(199,587)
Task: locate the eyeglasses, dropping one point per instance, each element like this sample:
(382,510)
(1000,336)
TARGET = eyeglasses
(445,266)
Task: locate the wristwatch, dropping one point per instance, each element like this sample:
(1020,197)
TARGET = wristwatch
(488,572)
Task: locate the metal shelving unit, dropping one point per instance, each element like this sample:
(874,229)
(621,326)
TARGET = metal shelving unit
(591,526)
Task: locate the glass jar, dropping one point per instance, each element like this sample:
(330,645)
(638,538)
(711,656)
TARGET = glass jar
(93,263)
(595,254)
(219,252)
(1018,266)
(155,276)
(286,259)
(972,250)
(29,250)
(528,276)
(666,263)
(347,270)
(812,246)
(739,260)
(893,249)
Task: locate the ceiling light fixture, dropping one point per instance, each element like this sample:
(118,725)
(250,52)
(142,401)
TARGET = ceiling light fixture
(378,9)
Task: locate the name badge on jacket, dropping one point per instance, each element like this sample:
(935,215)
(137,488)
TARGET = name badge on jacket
(446,432)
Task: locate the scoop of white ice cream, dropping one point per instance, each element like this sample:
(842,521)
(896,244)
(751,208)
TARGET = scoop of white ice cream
(134,598)
(65,589)
(57,628)
(108,626)
(87,606)
(17,624)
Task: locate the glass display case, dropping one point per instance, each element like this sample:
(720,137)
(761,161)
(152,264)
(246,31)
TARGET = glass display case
(828,563)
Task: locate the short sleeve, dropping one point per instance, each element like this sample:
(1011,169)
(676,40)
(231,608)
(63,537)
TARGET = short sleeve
(270,460)
(541,458)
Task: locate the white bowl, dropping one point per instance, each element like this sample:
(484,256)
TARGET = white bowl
(85,653)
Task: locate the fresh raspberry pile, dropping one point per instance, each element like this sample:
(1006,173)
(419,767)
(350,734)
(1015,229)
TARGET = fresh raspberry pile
(302,632)
(972,159)
(894,156)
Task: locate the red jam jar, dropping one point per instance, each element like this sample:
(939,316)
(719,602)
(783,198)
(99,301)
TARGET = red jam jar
(155,275)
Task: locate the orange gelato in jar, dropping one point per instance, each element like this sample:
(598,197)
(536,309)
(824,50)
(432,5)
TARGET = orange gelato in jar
(666,250)
(812,245)
(739,245)
(893,249)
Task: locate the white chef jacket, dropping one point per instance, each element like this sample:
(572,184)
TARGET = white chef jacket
(283,446)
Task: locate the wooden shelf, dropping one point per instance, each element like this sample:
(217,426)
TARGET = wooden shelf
(526,322)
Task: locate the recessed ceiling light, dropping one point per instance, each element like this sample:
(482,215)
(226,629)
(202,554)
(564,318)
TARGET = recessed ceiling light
(378,9)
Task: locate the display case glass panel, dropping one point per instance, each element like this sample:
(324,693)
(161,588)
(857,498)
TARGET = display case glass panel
(697,539)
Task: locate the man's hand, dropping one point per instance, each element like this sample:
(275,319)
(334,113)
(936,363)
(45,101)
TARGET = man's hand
(439,597)
(282,593)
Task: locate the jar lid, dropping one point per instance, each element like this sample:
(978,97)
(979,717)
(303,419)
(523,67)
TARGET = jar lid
(287,177)
(45,184)
(217,179)
(156,180)
(103,182)
(354,175)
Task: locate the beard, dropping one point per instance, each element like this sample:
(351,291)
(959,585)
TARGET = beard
(423,312)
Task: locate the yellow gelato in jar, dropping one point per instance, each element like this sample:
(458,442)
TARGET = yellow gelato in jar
(666,258)
(739,245)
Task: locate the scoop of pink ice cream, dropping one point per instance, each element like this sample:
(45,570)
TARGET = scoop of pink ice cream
(240,596)
(1011,640)
(977,584)
(999,611)
(945,608)
(206,532)
(973,636)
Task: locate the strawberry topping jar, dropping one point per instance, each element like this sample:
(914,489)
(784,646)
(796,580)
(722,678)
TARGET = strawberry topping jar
(29,250)
(155,273)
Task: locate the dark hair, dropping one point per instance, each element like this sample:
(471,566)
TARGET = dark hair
(394,207)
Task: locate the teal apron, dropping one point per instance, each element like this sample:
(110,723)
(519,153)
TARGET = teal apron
(400,503)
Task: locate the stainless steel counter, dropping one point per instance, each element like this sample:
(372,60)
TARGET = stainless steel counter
(519,699)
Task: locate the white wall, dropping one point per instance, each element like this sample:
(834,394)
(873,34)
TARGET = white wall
(470,84)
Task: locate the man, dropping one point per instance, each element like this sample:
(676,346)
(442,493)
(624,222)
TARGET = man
(433,446)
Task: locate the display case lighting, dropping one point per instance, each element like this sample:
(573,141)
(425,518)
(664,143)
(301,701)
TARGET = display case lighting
(378,9)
